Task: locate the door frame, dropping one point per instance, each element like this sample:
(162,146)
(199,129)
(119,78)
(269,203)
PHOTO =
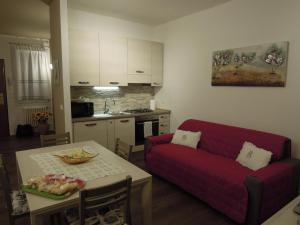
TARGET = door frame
(2,64)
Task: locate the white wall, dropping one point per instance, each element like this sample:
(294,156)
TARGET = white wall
(89,21)
(60,53)
(15,112)
(189,43)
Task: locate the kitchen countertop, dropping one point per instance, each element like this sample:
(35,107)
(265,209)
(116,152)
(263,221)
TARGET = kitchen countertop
(118,116)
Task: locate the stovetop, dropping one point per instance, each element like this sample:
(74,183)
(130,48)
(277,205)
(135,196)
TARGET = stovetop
(141,110)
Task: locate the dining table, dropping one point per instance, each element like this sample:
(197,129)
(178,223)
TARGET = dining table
(104,169)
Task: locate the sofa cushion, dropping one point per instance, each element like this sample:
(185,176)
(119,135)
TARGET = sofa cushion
(217,180)
(186,138)
(253,157)
(228,140)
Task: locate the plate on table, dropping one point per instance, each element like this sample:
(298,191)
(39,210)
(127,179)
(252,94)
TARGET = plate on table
(53,186)
(75,156)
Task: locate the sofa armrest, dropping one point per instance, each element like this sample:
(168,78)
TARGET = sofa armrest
(270,188)
(156,140)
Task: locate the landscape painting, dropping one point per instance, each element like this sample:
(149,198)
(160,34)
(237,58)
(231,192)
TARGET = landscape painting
(260,65)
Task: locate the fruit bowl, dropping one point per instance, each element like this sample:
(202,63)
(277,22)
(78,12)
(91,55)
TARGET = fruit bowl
(76,157)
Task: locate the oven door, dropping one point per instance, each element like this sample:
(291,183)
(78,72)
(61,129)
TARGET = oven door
(139,131)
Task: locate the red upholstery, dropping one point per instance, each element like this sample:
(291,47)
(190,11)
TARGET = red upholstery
(212,174)
(228,140)
(277,179)
(199,173)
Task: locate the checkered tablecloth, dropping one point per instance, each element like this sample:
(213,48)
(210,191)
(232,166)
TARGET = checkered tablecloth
(97,167)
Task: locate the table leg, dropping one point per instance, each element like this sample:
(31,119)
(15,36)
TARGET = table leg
(36,219)
(147,202)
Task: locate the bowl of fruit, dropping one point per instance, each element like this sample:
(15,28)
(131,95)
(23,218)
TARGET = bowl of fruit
(76,156)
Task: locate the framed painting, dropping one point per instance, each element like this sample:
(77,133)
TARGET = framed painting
(260,65)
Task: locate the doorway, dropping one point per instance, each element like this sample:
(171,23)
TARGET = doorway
(4,125)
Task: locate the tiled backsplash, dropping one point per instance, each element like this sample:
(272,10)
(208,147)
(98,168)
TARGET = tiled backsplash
(129,97)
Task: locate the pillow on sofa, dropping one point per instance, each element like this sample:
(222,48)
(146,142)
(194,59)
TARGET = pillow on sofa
(186,138)
(253,157)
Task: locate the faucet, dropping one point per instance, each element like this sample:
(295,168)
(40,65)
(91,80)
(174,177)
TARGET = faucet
(106,109)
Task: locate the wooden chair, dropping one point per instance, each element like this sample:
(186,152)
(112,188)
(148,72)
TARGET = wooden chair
(100,204)
(107,197)
(55,139)
(12,199)
(123,149)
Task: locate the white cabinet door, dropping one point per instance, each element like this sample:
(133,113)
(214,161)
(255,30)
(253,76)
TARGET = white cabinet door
(111,140)
(113,61)
(139,57)
(84,58)
(157,51)
(93,130)
(125,130)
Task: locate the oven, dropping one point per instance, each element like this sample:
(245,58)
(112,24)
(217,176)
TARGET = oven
(139,127)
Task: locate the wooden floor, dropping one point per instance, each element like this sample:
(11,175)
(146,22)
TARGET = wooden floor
(171,205)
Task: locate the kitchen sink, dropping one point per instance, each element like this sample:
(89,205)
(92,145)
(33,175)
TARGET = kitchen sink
(118,113)
(102,115)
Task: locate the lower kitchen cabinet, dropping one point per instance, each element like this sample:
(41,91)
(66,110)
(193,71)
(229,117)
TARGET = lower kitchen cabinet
(105,132)
(93,130)
(125,130)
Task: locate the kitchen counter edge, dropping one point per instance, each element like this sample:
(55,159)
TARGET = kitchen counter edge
(92,118)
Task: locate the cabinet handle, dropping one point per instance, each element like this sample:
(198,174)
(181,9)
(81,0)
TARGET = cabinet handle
(124,121)
(162,125)
(83,82)
(140,71)
(90,124)
(155,83)
(114,83)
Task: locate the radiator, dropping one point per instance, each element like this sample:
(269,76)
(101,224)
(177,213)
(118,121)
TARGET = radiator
(29,110)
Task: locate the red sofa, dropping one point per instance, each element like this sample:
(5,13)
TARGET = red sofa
(211,173)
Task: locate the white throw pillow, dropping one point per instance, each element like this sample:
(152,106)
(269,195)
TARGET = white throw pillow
(186,138)
(253,157)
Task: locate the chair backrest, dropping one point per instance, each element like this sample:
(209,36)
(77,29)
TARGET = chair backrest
(123,149)
(55,139)
(112,195)
(5,186)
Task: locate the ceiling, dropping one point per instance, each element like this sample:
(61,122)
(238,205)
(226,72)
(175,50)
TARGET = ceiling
(31,17)
(24,18)
(149,12)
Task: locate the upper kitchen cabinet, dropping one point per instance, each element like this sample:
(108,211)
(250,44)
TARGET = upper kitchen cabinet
(157,52)
(84,58)
(113,61)
(139,61)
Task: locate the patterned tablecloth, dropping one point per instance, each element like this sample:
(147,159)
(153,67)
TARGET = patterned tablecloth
(97,167)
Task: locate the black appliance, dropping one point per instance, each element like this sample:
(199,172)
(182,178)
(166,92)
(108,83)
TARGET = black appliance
(139,127)
(82,109)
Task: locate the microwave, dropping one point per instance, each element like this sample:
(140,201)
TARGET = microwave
(82,109)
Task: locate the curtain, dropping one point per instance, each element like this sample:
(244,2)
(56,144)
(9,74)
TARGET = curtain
(32,73)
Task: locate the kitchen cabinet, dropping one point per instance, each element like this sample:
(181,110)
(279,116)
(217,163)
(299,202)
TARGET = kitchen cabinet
(139,61)
(84,58)
(113,61)
(164,124)
(125,130)
(105,132)
(93,130)
(111,139)
(157,51)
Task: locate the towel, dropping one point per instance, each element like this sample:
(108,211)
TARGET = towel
(148,129)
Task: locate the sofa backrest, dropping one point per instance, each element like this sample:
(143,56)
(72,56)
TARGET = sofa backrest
(228,140)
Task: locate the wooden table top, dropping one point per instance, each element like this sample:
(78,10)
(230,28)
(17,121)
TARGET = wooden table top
(29,168)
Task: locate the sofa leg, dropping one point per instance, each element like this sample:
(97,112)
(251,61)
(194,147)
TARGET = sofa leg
(255,188)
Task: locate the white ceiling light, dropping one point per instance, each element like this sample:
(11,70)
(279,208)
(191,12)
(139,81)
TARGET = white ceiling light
(105,88)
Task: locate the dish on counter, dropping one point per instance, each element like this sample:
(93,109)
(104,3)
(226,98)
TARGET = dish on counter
(54,186)
(76,156)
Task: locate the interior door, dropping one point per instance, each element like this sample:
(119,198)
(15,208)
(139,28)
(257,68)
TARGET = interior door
(4,126)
